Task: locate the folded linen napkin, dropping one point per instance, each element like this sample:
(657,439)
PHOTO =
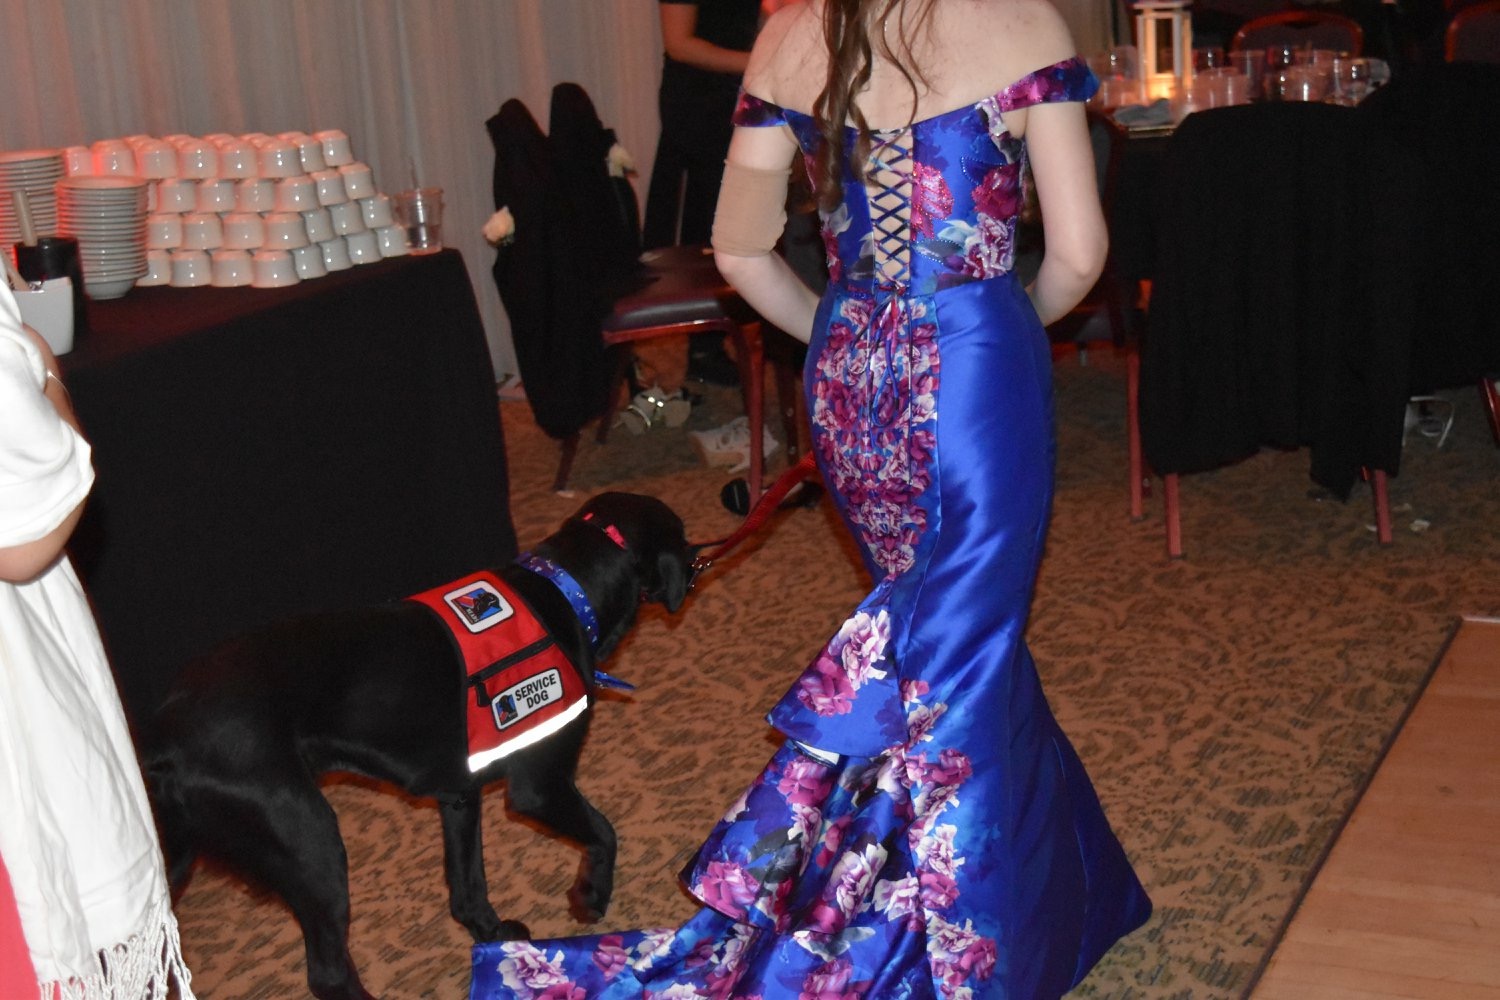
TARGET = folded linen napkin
(1158,112)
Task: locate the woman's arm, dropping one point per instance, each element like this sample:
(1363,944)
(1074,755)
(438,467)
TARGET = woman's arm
(1062,167)
(1025,35)
(19,563)
(679,25)
(773,290)
(764,279)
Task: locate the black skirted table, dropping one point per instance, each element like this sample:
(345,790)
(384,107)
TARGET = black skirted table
(261,453)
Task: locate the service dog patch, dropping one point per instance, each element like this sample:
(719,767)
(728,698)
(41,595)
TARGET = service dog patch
(479,605)
(523,687)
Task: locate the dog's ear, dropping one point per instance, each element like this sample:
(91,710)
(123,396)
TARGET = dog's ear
(673,574)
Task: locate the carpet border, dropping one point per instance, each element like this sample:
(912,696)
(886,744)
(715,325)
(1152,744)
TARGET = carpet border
(1359,794)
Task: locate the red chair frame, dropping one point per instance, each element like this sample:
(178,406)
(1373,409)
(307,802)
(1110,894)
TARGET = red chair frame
(1465,15)
(1299,20)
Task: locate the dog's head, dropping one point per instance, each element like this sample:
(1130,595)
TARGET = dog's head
(654,537)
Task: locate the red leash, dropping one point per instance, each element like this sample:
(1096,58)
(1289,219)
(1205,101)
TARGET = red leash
(804,469)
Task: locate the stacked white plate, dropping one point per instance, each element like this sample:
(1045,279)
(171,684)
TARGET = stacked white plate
(107,215)
(34,171)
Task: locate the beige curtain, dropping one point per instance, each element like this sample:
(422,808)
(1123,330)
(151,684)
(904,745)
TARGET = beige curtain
(411,81)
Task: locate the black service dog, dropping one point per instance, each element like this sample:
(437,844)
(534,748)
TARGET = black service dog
(235,752)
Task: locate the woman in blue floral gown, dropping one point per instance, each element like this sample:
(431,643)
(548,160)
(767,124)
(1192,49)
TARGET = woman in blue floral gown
(926,830)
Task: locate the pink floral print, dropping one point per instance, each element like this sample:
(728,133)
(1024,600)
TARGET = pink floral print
(874,405)
(930,198)
(846,664)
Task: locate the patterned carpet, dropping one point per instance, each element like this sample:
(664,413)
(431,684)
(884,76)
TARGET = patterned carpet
(1229,705)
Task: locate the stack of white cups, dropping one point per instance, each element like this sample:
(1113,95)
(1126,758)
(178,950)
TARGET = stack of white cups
(256,209)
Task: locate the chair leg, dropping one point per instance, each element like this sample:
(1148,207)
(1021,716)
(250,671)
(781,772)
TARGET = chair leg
(1491,398)
(752,380)
(1174,516)
(565,463)
(1382,507)
(1133,434)
(1114,302)
(623,358)
(786,397)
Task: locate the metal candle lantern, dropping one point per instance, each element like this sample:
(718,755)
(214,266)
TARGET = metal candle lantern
(1157,21)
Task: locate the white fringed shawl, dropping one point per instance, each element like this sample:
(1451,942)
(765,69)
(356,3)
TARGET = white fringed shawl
(76,831)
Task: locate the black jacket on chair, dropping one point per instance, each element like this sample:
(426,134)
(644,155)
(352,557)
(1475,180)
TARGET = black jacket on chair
(1282,301)
(580,148)
(548,279)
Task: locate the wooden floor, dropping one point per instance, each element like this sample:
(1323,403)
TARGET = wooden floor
(1408,902)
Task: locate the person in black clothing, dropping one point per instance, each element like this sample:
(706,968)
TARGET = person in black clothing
(707,44)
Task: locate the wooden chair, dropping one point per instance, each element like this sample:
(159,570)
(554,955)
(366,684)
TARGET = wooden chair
(575,288)
(665,292)
(1317,29)
(1111,294)
(684,293)
(1473,35)
(1112,298)
(805,252)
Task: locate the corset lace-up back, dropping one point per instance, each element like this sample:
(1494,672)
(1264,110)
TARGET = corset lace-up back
(888,189)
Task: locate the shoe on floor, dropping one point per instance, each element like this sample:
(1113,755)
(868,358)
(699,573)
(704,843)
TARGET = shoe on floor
(676,408)
(654,406)
(730,444)
(1431,416)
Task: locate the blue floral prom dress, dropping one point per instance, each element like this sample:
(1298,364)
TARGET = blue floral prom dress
(926,830)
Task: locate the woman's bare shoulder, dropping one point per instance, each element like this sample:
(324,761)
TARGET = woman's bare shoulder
(968,47)
(1013,36)
(787,65)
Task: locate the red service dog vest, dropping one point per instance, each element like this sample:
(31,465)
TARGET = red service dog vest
(523,687)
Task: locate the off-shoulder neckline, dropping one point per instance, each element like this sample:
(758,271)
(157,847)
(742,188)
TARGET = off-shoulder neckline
(962,108)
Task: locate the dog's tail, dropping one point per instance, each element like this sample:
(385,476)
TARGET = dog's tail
(173,820)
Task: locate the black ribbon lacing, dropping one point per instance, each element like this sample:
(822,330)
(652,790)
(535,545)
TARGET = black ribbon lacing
(890,317)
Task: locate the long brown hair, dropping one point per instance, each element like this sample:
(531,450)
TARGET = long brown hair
(846,33)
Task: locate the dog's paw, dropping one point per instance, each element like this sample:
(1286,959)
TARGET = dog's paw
(587,904)
(491,928)
(513,930)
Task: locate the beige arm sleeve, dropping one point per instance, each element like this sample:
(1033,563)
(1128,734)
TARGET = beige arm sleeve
(752,210)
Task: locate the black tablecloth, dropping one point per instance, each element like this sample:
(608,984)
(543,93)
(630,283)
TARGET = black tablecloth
(262,453)
(1283,305)
(1445,117)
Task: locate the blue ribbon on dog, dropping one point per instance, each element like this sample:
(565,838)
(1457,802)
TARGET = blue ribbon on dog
(611,681)
(563,581)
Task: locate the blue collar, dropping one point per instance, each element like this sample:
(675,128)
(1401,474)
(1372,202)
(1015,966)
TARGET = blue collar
(578,600)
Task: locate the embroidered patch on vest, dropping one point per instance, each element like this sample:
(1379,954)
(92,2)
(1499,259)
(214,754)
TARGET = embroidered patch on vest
(519,685)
